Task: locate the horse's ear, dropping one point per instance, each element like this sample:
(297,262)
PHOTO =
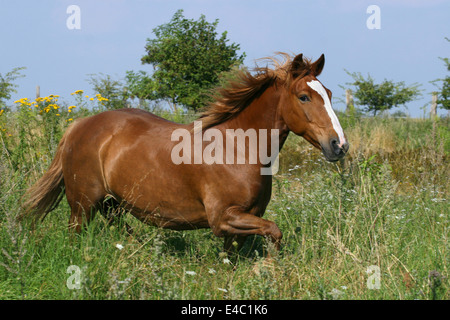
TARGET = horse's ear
(298,65)
(317,66)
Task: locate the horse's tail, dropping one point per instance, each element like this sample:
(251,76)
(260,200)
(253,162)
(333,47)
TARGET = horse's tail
(45,195)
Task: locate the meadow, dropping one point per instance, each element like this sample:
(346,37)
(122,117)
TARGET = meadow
(373,226)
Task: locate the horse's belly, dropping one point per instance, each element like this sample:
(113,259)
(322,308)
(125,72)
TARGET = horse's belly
(164,214)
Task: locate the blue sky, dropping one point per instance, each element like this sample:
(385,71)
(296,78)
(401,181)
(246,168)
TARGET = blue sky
(113,34)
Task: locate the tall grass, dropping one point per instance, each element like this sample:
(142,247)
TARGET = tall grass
(384,208)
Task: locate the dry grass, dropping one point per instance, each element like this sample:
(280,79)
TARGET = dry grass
(380,140)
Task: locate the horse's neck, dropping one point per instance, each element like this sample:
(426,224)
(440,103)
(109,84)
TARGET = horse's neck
(262,113)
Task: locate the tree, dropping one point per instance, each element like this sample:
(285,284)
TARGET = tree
(7,87)
(112,90)
(187,57)
(444,93)
(379,97)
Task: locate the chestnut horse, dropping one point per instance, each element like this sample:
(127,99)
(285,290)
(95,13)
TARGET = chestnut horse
(127,155)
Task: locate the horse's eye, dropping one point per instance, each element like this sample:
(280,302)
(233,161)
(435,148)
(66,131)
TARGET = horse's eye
(304,98)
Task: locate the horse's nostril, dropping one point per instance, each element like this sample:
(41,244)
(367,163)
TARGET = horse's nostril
(346,146)
(335,146)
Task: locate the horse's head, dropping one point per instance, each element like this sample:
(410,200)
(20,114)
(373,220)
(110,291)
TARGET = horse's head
(307,109)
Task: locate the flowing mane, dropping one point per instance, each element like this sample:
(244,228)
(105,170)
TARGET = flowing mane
(231,99)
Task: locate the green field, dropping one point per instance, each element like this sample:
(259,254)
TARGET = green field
(374,226)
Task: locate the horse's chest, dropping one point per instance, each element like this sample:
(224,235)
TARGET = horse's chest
(254,197)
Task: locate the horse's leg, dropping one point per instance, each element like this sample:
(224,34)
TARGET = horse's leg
(112,212)
(234,222)
(82,213)
(83,203)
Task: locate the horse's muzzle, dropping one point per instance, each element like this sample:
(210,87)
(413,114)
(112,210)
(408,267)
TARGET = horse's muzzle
(333,151)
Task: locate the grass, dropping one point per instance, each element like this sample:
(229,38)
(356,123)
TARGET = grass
(381,212)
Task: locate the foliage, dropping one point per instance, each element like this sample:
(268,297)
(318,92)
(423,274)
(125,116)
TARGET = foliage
(113,91)
(383,96)
(444,93)
(140,85)
(30,134)
(7,86)
(187,57)
(43,112)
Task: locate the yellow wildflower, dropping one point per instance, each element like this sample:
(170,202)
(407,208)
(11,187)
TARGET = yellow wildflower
(22,101)
(77,92)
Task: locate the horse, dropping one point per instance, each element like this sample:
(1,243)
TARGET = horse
(127,156)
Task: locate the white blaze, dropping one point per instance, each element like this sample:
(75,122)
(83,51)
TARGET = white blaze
(318,87)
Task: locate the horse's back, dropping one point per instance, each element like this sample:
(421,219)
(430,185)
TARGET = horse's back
(95,142)
(128,123)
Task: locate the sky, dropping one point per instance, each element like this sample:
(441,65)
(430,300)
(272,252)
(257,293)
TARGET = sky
(407,46)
